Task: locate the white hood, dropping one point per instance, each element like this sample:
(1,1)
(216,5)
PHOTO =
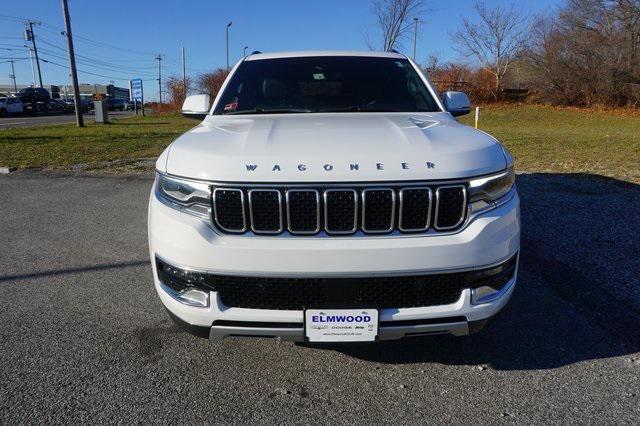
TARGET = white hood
(332,147)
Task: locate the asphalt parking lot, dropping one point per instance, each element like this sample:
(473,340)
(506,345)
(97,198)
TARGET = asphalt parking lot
(29,120)
(84,337)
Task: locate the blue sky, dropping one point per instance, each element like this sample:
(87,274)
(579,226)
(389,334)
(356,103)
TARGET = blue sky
(119,39)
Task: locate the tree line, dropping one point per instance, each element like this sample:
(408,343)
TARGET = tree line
(584,53)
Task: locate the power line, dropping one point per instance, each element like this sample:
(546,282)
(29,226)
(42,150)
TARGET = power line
(97,66)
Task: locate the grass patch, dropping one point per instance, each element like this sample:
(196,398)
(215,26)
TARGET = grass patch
(63,145)
(566,140)
(543,139)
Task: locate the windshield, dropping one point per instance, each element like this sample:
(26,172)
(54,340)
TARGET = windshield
(325,84)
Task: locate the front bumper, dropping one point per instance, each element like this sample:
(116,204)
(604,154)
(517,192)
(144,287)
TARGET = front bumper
(189,243)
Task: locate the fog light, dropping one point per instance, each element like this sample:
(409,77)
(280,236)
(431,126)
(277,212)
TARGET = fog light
(194,297)
(185,286)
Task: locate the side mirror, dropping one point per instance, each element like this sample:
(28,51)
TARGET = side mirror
(457,103)
(196,106)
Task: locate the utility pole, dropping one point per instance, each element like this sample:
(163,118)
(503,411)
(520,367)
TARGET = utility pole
(159,59)
(72,63)
(30,36)
(184,75)
(415,37)
(13,77)
(227,34)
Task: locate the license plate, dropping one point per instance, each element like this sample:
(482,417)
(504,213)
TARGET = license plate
(341,325)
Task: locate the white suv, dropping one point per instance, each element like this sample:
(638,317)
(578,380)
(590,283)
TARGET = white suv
(10,105)
(333,196)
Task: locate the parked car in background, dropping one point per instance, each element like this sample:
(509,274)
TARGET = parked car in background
(129,106)
(34,98)
(10,105)
(33,94)
(85,102)
(116,104)
(58,105)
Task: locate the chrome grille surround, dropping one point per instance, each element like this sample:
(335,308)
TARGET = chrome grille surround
(401,197)
(363,209)
(326,211)
(216,214)
(251,212)
(437,209)
(288,196)
(358,190)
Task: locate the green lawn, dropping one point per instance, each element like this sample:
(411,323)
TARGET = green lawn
(563,140)
(63,145)
(543,139)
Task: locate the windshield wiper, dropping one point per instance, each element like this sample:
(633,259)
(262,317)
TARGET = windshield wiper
(269,111)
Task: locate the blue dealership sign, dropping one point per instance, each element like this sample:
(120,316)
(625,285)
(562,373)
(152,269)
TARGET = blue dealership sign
(136,90)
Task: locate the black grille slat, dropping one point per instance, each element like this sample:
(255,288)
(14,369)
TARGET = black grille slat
(229,209)
(303,211)
(378,210)
(450,206)
(415,209)
(266,211)
(341,211)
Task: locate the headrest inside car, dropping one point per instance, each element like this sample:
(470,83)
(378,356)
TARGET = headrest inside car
(273,88)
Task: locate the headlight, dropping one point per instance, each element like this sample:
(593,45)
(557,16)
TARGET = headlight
(485,191)
(183,194)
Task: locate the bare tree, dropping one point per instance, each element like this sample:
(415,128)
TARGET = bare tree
(494,41)
(176,89)
(587,53)
(211,82)
(394,19)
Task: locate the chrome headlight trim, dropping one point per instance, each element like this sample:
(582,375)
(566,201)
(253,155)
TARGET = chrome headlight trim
(488,192)
(186,195)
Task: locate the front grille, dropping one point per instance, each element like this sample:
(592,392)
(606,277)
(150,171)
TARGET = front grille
(372,292)
(340,211)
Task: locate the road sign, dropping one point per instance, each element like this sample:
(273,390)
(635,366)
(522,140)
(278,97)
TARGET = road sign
(136,90)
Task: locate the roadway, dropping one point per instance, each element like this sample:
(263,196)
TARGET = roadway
(28,120)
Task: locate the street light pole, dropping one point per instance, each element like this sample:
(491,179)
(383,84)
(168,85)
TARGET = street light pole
(244,51)
(415,38)
(184,75)
(227,34)
(159,59)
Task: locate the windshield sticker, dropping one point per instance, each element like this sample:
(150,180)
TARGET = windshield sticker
(231,107)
